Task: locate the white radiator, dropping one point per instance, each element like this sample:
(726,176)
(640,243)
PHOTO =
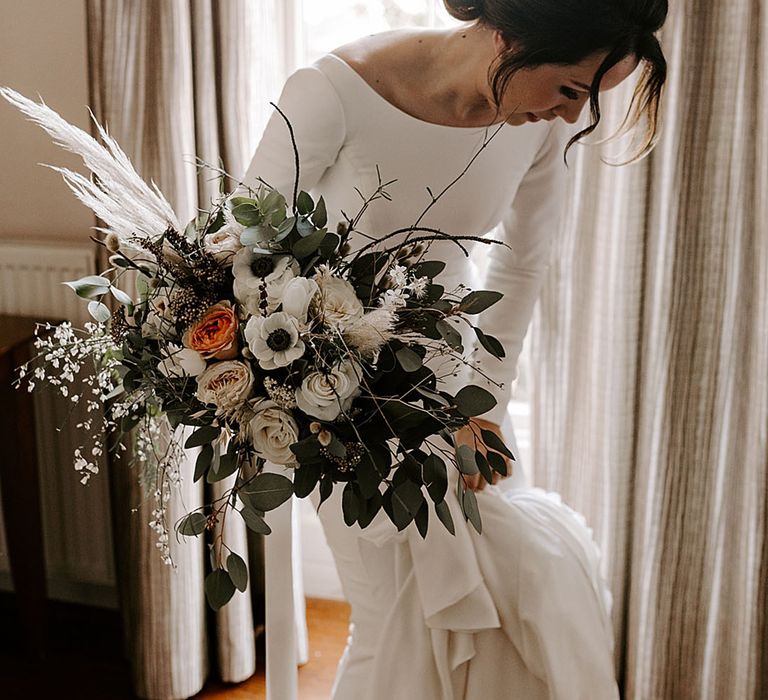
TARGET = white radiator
(76,518)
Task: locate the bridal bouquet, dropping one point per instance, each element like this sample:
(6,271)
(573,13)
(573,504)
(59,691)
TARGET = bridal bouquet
(270,337)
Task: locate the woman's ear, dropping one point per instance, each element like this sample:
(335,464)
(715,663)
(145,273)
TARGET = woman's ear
(499,44)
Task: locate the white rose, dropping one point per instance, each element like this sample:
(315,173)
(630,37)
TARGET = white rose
(251,271)
(225,384)
(273,431)
(274,340)
(223,244)
(180,362)
(297,296)
(326,395)
(340,305)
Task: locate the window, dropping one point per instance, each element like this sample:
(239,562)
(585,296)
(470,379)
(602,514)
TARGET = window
(331,23)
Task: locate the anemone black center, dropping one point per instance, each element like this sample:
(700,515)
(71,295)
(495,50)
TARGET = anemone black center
(279,339)
(262,266)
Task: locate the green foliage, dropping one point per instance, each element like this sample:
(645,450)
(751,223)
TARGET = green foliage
(449,334)
(465,459)
(474,401)
(267,491)
(99,311)
(90,287)
(254,521)
(468,502)
(490,343)
(238,571)
(202,436)
(192,525)
(494,442)
(444,513)
(219,588)
(476,302)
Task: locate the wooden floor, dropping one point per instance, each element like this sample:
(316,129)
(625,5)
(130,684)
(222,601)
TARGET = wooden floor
(92,667)
(327,621)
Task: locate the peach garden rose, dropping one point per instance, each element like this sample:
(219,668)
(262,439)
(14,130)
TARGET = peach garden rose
(214,334)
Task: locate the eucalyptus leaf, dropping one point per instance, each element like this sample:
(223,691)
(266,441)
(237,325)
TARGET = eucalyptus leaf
(305,478)
(320,215)
(474,401)
(409,496)
(309,244)
(471,511)
(478,301)
(408,359)
(435,477)
(490,343)
(228,465)
(304,203)
(247,214)
(497,462)
(238,571)
(121,297)
(192,524)
(350,504)
(465,459)
(254,521)
(90,287)
(483,466)
(219,588)
(267,490)
(273,202)
(422,520)
(449,334)
(203,462)
(428,268)
(494,442)
(256,235)
(202,436)
(432,396)
(371,506)
(307,450)
(99,311)
(444,513)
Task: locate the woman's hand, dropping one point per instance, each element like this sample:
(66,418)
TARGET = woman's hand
(470,435)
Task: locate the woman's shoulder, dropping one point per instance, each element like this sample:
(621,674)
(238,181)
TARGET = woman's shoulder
(382,60)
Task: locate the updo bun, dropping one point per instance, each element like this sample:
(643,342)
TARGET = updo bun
(465,10)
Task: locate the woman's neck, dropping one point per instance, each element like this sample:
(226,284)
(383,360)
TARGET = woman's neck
(438,75)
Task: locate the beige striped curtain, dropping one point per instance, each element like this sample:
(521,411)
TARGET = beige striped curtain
(649,353)
(174,80)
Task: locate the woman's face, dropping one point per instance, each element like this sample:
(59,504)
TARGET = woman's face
(551,90)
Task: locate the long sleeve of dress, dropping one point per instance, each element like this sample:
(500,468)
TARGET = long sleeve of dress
(529,229)
(315,113)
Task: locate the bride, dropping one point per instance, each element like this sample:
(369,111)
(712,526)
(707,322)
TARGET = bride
(520,611)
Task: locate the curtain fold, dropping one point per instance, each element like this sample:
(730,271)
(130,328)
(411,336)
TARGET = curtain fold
(650,367)
(176,81)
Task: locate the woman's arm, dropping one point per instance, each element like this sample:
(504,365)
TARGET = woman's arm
(312,106)
(518,272)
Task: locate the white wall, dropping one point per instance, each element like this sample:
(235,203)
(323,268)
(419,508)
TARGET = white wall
(43,50)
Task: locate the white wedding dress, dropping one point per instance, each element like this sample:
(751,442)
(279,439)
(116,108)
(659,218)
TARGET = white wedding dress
(520,612)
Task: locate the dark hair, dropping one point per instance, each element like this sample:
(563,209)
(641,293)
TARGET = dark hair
(568,31)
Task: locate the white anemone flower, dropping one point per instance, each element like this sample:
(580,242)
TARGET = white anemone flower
(252,271)
(274,340)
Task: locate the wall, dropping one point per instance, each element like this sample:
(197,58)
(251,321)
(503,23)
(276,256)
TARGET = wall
(43,51)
